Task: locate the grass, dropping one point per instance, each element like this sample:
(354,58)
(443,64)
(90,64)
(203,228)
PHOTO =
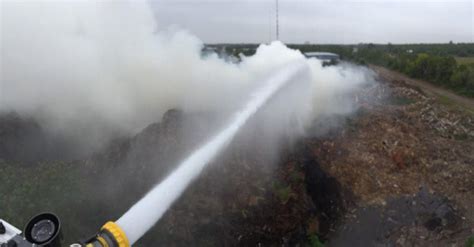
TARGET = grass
(27,191)
(283,191)
(453,105)
(296,176)
(445,100)
(401,101)
(465,60)
(314,241)
(57,187)
(470,242)
(30,190)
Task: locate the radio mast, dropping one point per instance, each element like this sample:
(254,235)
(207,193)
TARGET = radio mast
(277,27)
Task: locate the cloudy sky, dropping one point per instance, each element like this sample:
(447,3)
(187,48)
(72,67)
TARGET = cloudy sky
(322,21)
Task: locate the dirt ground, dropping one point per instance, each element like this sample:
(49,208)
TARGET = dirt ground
(408,159)
(428,88)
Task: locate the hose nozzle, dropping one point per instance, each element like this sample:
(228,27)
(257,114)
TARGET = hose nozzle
(110,235)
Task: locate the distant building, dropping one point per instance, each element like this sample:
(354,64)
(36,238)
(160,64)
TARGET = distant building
(206,50)
(327,58)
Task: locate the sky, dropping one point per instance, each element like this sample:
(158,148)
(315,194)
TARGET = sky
(321,21)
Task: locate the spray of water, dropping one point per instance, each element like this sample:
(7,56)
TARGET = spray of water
(146,212)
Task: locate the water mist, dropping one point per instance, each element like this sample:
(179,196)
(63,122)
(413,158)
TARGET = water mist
(146,212)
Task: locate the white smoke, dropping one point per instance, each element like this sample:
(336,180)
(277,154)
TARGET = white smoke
(90,71)
(94,69)
(147,211)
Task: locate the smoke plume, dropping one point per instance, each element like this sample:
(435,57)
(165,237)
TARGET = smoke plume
(91,71)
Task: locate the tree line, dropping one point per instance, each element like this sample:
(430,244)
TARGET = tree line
(434,63)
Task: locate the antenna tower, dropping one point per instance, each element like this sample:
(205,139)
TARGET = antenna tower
(277,27)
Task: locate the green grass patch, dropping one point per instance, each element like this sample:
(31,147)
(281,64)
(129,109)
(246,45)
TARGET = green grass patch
(470,242)
(453,105)
(296,177)
(464,60)
(314,241)
(57,187)
(445,100)
(283,192)
(461,137)
(401,101)
(30,190)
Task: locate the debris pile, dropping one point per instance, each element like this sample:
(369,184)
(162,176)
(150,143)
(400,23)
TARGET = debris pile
(395,147)
(402,164)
